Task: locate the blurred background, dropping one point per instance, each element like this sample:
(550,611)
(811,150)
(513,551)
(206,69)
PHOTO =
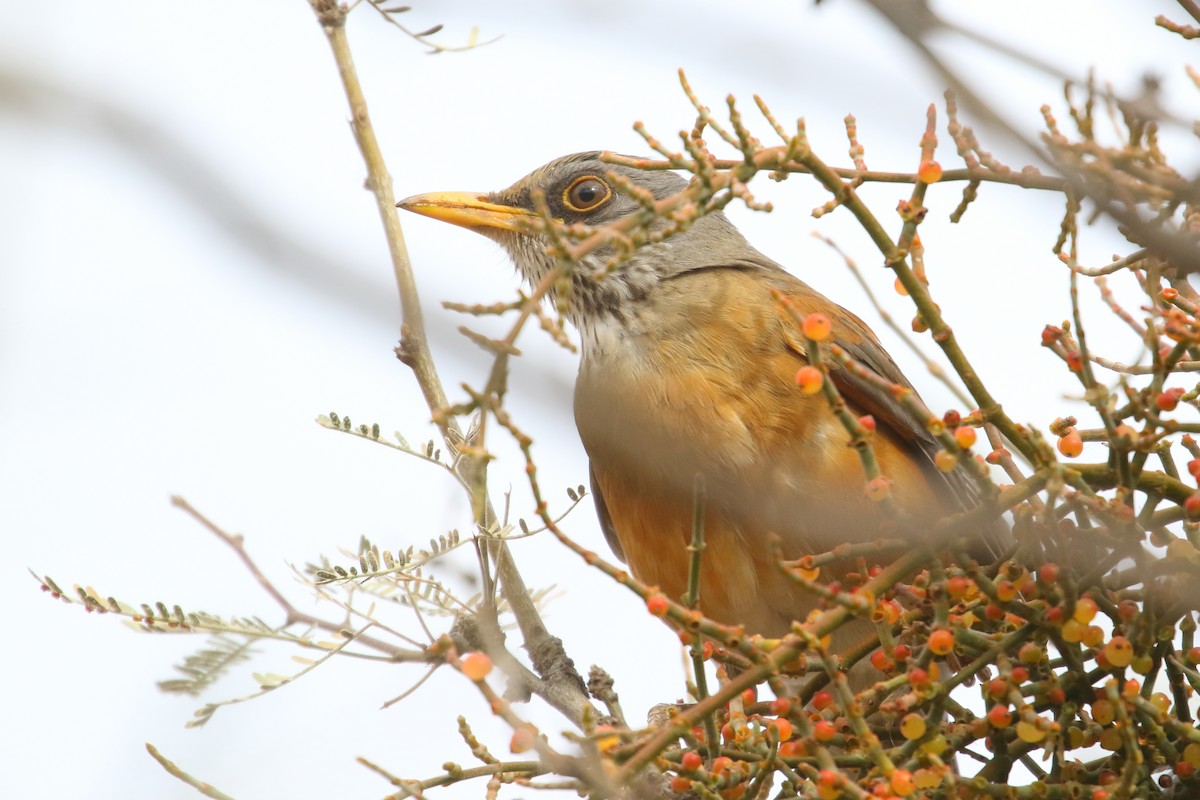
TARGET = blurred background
(191,272)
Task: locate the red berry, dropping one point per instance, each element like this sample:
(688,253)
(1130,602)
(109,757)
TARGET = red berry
(1167,400)
(692,761)
(1051,334)
(1191,506)
(918,677)
(658,605)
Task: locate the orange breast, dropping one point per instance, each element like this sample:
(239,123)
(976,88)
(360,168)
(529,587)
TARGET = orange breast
(710,392)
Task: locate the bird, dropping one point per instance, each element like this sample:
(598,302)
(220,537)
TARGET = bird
(687,373)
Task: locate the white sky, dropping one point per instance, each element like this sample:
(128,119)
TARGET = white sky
(148,347)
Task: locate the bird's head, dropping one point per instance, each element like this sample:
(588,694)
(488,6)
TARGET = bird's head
(580,188)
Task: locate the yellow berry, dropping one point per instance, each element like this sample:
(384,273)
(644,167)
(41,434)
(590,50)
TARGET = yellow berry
(1029,732)
(912,726)
(1085,610)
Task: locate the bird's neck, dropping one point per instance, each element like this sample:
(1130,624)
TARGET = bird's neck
(606,308)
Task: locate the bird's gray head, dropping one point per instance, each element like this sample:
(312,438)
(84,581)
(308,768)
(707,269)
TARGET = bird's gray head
(579,188)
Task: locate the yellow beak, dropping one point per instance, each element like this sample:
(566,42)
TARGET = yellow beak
(468,210)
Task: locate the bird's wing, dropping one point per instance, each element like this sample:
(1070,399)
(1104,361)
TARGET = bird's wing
(867,396)
(606,523)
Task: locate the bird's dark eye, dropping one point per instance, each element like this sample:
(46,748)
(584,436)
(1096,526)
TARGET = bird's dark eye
(586,193)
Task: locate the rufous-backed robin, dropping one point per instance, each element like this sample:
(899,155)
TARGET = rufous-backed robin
(688,369)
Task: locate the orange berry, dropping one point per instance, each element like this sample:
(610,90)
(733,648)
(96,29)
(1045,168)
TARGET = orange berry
(998,455)
(522,739)
(1070,444)
(1118,651)
(476,666)
(783,727)
(930,171)
(692,761)
(1128,609)
(1048,572)
(793,749)
(941,641)
(823,700)
(809,379)
(879,489)
(867,422)
(1085,610)
(823,730)
(657,604)
(944,460)
(900,289)
(1006,590)
(902,782)
(965,436)
(817,327)
(681,785)
(999,716)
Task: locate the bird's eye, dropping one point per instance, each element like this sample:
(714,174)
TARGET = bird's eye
(586,193)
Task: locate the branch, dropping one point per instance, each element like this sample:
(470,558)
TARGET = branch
(567,695)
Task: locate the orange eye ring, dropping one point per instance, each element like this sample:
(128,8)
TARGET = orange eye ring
(586,193)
